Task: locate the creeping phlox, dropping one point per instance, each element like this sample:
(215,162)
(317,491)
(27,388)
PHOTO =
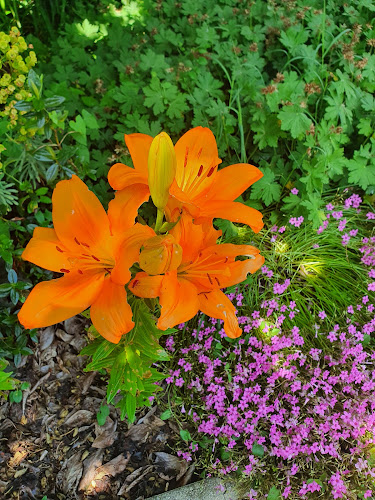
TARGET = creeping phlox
(179,260)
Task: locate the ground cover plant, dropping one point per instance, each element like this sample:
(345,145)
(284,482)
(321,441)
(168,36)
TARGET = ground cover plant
(289,407)
(286,86)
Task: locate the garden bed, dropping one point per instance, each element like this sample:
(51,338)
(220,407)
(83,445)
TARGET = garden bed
(53,447)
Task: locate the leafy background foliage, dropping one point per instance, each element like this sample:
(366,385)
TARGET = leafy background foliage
(287,86)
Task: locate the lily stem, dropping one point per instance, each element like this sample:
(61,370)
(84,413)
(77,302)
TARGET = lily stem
(159,219)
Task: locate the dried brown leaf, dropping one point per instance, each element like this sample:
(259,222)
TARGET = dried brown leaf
(186,477)
(74,325)
(46,337)
(70,473)
(140,432)
(66,337)
(105,434)
(90,465)
(79,418)
(114,466)
(171,464)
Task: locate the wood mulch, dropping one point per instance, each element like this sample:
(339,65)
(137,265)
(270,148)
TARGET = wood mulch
(52,446)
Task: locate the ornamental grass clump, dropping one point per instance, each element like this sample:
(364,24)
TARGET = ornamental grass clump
(292,419)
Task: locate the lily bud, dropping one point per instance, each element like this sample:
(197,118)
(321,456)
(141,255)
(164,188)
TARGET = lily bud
(160,254)
(161,169)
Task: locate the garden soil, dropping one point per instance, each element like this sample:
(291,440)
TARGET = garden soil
(51,444)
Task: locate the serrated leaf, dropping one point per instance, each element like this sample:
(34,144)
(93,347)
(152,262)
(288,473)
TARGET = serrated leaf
(294,120)
(294,37)
(90,120)
(79,126)
(368,102)
(154,61)
(313,205)
(266,188)
(364,127)
(267,133)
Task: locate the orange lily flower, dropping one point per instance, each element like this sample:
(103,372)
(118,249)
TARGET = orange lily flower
(94,250)
(199,187)
(204,269)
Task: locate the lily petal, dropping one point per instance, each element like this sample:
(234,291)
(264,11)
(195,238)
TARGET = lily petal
(178,300)
(146,286)
(229,250)
(230,182)
(217,305)
(128,252)
(240,269)
(46,250)
(53,301)
(78,216)
(139,147)
(111,313)
(233,211)
(123,210)
(197,159)
(121,176)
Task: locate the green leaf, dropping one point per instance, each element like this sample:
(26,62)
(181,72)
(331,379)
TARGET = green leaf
(53,102)
(267,133)
(51,173)
(364,127)
(90,120)
(210,85)
(290,203)
(368,102)
(294,37)
(117,376)
(87,29)
(185,435)
(35,83)
(127,95)
(104,349)
(155,62)
(228,228)
(294,120)
(23,106)
(130,381)
(313,205)
(12,276)
(266,188)
(274,494)
(79,126)
(337,108)
(102,414)
(131,405)
(257,450)
(362,167)
(15,396)
(166,414)
(155,96)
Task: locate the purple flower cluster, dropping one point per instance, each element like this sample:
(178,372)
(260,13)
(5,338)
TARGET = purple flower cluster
(276,404)
(296,221)
(296,405)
